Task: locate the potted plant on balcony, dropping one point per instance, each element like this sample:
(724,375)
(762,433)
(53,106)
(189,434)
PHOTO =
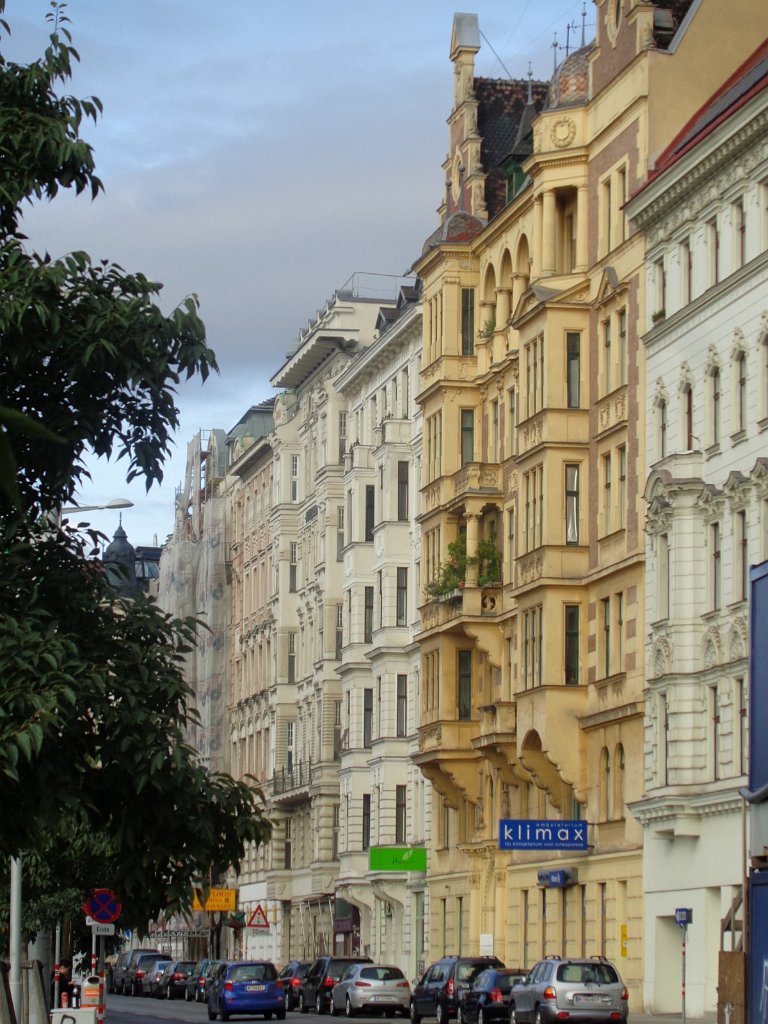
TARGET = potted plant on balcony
(451,574)
(488,559)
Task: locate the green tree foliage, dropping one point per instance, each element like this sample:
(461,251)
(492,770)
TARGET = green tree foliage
(94,709)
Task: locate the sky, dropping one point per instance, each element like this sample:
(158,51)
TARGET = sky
(259,153)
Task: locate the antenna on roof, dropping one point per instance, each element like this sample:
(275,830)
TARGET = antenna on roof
(554,53)
(583,24)
(530,83)
(498,58)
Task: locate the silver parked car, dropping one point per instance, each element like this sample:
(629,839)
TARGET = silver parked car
(579,989)
(371,988)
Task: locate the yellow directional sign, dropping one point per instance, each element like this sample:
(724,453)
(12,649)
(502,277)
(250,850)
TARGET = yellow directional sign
(217,900)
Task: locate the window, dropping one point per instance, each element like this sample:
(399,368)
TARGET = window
(619,606)
(340,533)
(741,392)
(739,233)
(622,452)
(686,267)
(402,705)
(571,645)
(713,251)
(400,819)
(368,616)
(467,321)
(688,417)
(367,717)
(494,428)
(659,289)
(607,374)
(293,567)
(742,556)
(370,493)
(434,445)
(741,727)
(339,630)
(572,504)
(342,435)
(661,413)
(291,657)
(366,836)
(402,597)
(294,478)
(289,741)
(467,436)
(622,346)
(532,649)
(715,405)
(533,489)
(606,616)
(512,412)
(716,566)
(713,709)
(534,375)
(662,573)
(287,846)
(465,686)
(573,373)
(607,495)
(402,492)
(510,543)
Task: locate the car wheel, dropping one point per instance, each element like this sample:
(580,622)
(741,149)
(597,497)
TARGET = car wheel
(169,993)
(319,1003)
(459,1015)
(481,1016)
(348,1008)
(512,1014)
(335,1010)
(268,1016)
(390,1013)
(280,1014)
(211,1014)
(537,1016)
(303,1008)
(440,1015)
(224,1016)
(415,1017)
(186,995)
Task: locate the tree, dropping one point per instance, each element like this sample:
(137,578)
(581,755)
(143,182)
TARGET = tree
(94,707)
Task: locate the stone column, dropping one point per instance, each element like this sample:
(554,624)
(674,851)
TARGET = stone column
(548,233)
(582,232)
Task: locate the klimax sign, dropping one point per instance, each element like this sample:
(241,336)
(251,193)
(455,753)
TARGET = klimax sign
(525,834)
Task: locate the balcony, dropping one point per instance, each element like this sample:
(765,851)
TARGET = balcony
(292,784)
(550,737)
(447,758)
(497,739)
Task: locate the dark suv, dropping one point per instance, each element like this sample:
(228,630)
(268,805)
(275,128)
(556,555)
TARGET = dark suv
(315,991)
(435,995)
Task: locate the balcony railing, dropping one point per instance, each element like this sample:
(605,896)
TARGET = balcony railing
(298,776)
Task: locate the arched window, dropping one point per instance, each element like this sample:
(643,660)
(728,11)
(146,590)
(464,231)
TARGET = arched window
(618,781)
(605,785)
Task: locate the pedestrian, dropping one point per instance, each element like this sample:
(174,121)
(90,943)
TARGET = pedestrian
(62,979)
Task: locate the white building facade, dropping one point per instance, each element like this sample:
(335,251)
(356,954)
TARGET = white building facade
(308,505)
(384,803)
(705,214)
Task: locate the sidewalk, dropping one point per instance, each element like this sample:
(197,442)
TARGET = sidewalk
(669,1018)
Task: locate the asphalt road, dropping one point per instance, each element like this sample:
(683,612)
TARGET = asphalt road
(138,1010)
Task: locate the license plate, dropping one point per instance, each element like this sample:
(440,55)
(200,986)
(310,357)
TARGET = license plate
(255,988)
(591,1000)
(382,999)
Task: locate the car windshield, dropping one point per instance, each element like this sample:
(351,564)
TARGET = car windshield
(585,974)
(253,972)
(382,973)
(336,968)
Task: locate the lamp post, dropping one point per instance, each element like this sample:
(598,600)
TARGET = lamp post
(15,984)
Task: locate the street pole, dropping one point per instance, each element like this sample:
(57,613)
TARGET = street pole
(15,936)
(685,936)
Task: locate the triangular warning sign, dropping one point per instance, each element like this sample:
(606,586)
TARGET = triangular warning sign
(258,918)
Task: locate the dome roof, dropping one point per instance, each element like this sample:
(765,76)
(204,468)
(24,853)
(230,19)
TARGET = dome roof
(570,83)
(459,227)
(120,563)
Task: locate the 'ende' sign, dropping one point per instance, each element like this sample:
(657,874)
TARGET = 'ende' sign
(524,834)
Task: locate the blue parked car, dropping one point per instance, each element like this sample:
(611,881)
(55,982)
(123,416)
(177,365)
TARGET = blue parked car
(246,987)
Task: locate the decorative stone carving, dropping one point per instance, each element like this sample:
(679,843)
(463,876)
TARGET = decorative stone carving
(711,647)
(563,132)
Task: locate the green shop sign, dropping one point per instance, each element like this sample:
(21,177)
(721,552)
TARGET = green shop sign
(387,858)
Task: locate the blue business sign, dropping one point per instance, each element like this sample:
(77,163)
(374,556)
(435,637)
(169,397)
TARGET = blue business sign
(524,834)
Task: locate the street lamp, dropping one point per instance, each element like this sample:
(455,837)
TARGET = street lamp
(16,862)
(114,503)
